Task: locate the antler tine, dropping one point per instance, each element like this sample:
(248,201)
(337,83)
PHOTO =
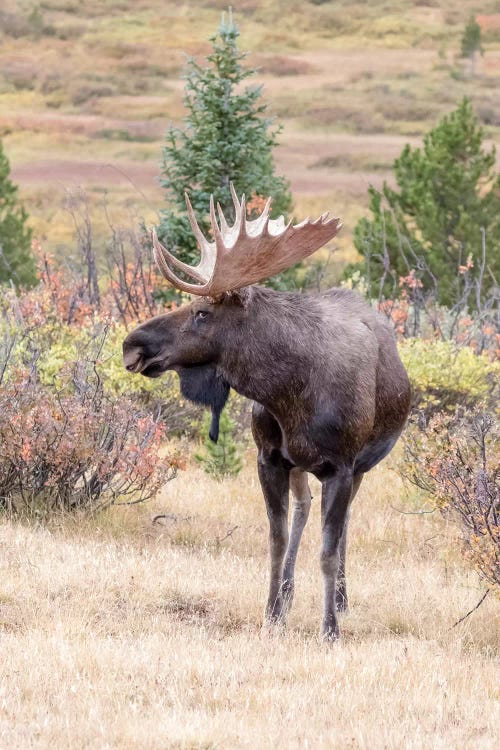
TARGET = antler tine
(254,227)
(219,240)
(202,240)
(161,255)
(235,199)
(277,227)
(243,213)
(223,223)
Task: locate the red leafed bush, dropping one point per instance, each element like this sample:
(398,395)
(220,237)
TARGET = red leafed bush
(72,434)
(457,461)
(62,450)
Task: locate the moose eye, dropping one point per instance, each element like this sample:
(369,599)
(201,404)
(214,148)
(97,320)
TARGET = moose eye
(201,315)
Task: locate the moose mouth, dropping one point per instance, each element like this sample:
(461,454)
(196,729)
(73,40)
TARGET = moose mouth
(143,366)
(154,370)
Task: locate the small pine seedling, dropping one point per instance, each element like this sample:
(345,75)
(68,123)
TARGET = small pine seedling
(221,459)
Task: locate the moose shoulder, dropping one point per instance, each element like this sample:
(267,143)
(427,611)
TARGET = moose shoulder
(331,395)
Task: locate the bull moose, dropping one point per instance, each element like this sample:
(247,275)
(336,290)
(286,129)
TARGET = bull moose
(330,393)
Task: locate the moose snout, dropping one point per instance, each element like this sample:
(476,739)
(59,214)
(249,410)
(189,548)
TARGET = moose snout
(140,352)
(132,360)
(136,351)
(133,357)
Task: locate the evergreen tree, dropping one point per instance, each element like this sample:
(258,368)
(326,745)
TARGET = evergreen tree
(16,261)
(471,42)
(446,192)
(226,137)
(220,459)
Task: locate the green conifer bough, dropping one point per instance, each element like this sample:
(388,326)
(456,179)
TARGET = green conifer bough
(16,260)
(447,192)
(226,137)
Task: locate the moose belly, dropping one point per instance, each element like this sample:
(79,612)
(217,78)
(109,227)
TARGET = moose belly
(320,447)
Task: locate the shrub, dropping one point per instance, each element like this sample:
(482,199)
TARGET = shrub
(87,92)
(416,312)
(75,447)
(457,460)
(56,320)
(280,65)
(75,431)
(471,42)
(444,376)
(19,24)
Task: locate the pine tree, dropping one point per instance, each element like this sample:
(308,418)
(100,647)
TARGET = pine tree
(446,192)
(16,261)
(226,137)
(220,459)
(471,42)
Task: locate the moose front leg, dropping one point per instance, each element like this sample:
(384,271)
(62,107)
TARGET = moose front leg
(335,499)
(301,507)
(275,481)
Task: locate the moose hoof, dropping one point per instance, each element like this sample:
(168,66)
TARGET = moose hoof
(330,632)
(273,626)
(274,617)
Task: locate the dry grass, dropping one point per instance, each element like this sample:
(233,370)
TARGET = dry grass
(117,633)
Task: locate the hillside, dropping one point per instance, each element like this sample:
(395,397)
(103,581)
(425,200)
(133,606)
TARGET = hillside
(87,91)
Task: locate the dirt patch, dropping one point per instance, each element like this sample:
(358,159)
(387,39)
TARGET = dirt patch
(89,125)
(488,23)
(86,173)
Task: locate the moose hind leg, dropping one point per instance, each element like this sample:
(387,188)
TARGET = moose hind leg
(341,590)
(275,481)
(335,500)
(301,507)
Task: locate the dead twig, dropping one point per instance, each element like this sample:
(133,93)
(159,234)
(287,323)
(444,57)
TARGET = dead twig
(226,536)
(472,610)
(170,517)
(413,512)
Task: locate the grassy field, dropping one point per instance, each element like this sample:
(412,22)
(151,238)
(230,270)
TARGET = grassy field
(121,633)
(87,91)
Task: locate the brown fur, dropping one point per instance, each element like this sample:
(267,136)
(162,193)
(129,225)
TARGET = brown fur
(331,398)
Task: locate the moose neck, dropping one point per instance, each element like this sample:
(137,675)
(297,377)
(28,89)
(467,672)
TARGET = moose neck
(269,357)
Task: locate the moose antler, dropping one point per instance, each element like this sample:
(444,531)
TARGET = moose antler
(247,252)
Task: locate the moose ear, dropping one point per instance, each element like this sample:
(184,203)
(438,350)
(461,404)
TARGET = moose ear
(203,385)
(238,297)
(241,296)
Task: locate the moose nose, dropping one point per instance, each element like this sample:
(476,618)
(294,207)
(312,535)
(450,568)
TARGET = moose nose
(140,349)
